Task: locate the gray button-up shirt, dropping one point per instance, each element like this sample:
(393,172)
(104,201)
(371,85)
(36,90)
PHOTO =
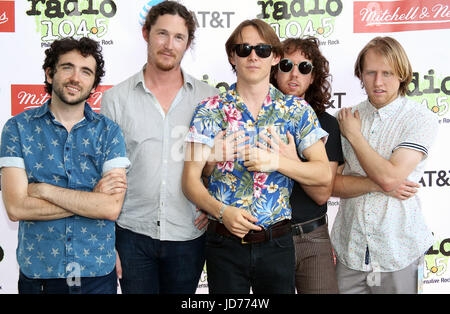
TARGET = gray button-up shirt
(155,204)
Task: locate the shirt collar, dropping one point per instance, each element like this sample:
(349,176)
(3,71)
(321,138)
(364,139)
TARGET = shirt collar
(387,111)
(89,114)
(188,80)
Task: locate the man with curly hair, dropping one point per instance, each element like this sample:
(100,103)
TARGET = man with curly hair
(52,158)
(304,72)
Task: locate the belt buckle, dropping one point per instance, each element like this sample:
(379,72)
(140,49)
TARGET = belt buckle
(243,241)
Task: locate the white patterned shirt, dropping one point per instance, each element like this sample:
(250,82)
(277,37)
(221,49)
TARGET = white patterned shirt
(393,231)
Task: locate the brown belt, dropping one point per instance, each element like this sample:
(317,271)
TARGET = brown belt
(275,231)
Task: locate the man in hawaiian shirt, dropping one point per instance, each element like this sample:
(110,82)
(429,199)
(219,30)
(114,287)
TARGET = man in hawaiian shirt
(52,158)
(249,242)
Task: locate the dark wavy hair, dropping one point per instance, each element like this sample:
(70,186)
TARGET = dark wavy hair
(319,92)
(172,8)
(86,47)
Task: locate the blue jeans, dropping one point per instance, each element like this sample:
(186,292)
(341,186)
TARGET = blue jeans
(153,266)
(87,285)
(267,267)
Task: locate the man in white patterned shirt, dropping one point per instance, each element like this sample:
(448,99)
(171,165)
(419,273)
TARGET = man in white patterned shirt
(379,234)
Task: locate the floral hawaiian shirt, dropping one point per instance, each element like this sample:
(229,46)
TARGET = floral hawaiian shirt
(265,195)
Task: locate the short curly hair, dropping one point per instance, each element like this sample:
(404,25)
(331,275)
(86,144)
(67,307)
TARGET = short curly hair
(319,92)
(86,47)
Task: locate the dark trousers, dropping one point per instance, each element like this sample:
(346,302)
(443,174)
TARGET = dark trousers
(152,266)
(266,268)
(87,285)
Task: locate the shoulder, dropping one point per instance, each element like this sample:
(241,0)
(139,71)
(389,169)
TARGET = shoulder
(418,114)
(121,89)
(202,88)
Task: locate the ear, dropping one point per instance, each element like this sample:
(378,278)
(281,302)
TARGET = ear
(276,59)
(49,75)
(145,34)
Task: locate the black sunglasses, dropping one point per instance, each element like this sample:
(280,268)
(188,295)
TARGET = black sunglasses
(244,50)
(286,66)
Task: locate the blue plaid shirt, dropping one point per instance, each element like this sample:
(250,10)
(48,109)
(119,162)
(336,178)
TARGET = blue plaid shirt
(35,141)
(264,195)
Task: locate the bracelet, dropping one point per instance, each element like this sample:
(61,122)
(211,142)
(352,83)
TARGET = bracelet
(222,209)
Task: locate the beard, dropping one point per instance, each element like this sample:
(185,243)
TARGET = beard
(58,89)
(166,65)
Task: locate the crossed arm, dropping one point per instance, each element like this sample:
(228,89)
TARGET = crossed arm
(42,201)
(383,175)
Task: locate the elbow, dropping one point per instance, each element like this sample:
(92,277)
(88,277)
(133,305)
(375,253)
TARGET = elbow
(114,210)
(12,213)
(323,199)
(326,179)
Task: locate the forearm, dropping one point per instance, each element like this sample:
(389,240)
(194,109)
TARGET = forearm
(311,173)
(353,186)
(87,204)
(196,192)
(30,208)
(321,194)
(380,170)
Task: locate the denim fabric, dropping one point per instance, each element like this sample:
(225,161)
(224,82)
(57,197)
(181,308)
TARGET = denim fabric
(86,285)
(266,268)
(152,266)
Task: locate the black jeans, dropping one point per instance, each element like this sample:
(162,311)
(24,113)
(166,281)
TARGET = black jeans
(266,268)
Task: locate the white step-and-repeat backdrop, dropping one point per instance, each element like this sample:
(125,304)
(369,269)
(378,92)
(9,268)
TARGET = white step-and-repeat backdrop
(27,27)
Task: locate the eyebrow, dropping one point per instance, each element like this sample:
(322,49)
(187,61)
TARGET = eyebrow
(72,65)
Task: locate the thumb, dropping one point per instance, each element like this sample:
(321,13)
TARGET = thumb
(290,138)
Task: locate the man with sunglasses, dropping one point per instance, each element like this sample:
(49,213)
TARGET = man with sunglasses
(304,72)
(249,239)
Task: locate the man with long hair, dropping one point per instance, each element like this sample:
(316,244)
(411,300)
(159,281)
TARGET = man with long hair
(379,238)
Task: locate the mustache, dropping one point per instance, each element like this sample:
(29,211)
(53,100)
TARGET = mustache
(167,52)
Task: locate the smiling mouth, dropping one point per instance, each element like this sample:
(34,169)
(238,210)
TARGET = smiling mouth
(73,89)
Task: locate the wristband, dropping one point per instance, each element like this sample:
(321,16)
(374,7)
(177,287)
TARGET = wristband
(222,209)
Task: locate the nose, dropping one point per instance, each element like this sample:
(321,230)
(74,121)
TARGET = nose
(75,75)
(378,79)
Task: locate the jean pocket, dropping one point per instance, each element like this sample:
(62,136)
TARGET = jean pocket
(285,241)
(214,240)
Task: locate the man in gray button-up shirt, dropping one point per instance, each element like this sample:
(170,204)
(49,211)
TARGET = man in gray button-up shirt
(160,248)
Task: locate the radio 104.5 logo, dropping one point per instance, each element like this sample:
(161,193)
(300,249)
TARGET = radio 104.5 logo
(56,19)
(300,18)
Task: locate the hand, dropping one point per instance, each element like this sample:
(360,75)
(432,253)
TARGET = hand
(349,123)
(239,221)
(113,182)
(202,220)
(405,191)
(288,150)
(227,148)
(118,266)
(261,159)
